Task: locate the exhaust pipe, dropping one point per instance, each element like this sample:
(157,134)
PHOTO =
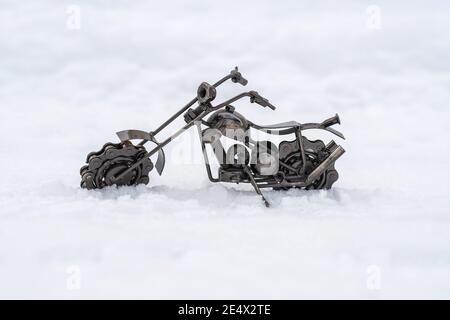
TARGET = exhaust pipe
(336,154)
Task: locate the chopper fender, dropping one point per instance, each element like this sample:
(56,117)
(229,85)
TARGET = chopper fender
(308,126)
(132,134)
(325,125)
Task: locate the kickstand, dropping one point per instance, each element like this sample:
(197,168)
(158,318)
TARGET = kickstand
(253,182)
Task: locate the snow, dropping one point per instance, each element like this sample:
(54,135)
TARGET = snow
(382,232)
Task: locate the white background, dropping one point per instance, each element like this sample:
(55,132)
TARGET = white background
(382,232)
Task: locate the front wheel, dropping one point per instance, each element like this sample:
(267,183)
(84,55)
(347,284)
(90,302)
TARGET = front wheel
(114,158)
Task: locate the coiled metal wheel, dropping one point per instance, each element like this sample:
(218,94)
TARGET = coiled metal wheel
(105,165)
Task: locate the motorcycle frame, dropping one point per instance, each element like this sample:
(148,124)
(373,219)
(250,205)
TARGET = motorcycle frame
(204,109)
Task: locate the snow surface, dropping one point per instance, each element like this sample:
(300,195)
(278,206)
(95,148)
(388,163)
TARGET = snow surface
(382,232)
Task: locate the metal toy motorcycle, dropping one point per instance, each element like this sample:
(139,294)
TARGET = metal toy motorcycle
(300,163)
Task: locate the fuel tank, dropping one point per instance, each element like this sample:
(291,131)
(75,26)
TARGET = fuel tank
(230,123)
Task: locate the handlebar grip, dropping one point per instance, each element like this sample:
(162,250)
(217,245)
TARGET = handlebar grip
(237,77)
(271,106)
(255,97)
(242,81)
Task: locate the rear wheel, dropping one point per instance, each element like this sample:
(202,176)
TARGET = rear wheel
(314,154)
